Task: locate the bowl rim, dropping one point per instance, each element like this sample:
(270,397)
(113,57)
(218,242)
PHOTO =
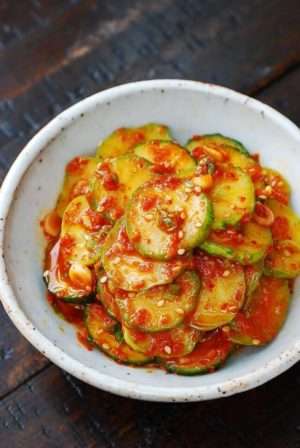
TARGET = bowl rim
(281,362)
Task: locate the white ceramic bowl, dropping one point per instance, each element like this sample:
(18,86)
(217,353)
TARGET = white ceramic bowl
(31,188)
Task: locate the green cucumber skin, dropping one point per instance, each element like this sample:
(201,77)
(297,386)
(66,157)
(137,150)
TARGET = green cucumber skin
(202,232)
(194,371)
(279,274)
(226,252)
(236,143)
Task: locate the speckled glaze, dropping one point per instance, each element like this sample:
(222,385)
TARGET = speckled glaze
(31,188)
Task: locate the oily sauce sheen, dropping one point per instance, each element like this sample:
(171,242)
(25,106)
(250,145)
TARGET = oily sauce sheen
(171,255)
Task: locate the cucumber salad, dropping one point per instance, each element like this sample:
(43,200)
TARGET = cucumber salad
(168,255)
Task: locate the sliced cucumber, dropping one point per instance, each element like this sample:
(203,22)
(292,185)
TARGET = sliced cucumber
(262,320)
(76,181)
(209,355)
(107,298)
(280,188)
(126,268)
(167,344)
(77,224)
(123,140)
(286,225)
(253,275)
(283,260)
(103,332)
(161,307)
(232,197)
(168,157)
(57,277)
(97,320)
(221,296)
(117,179)
(221,149)
(256,241)
(166,218)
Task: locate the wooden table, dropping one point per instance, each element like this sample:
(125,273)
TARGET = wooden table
(54,53)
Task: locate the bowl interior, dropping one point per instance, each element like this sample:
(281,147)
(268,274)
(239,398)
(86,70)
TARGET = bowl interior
(187,110)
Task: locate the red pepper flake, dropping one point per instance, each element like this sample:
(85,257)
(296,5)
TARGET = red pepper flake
(149,202)
(110,180)
(280,228)
(230,236)
(280,196)
(76,165)
(97,220)
(198,153)
(256,173)
(142,316)
(163,168)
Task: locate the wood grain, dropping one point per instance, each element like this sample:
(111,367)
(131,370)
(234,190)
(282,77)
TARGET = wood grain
(54,410)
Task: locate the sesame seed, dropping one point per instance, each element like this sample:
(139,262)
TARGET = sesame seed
(103,279)
(255,341)
(180,234)
(280,183)
(226,273)
(101,209)
(182,215)
(179,311)
(198,225)
(180,251)
(197,189)
(262,196)
(116,260)
(287,253)
(148,217)
(226,329)
(105,346)
(160,303)
(273,183)
(268,189)
(167,349)
(180,209)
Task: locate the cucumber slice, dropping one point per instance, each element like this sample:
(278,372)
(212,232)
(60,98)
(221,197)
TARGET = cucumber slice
(221,149)
(168,157)
(97,320)
(166,344)
(167,217)
(253,275)
(222,293)
(107,298)
(279,188)
(117,179)
(208,356)
(161,307)
(86,229)
(232,197)
(256,241)
(284,258)
(103,332)
(263,319)
(283,261)
(76,181)
(126,268)
(123,140)
(286,225)
(57,278)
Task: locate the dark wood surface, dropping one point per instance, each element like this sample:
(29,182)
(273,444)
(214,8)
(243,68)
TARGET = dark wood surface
(52,54)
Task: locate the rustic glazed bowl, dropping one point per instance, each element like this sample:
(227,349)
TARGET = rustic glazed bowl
(31,188)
